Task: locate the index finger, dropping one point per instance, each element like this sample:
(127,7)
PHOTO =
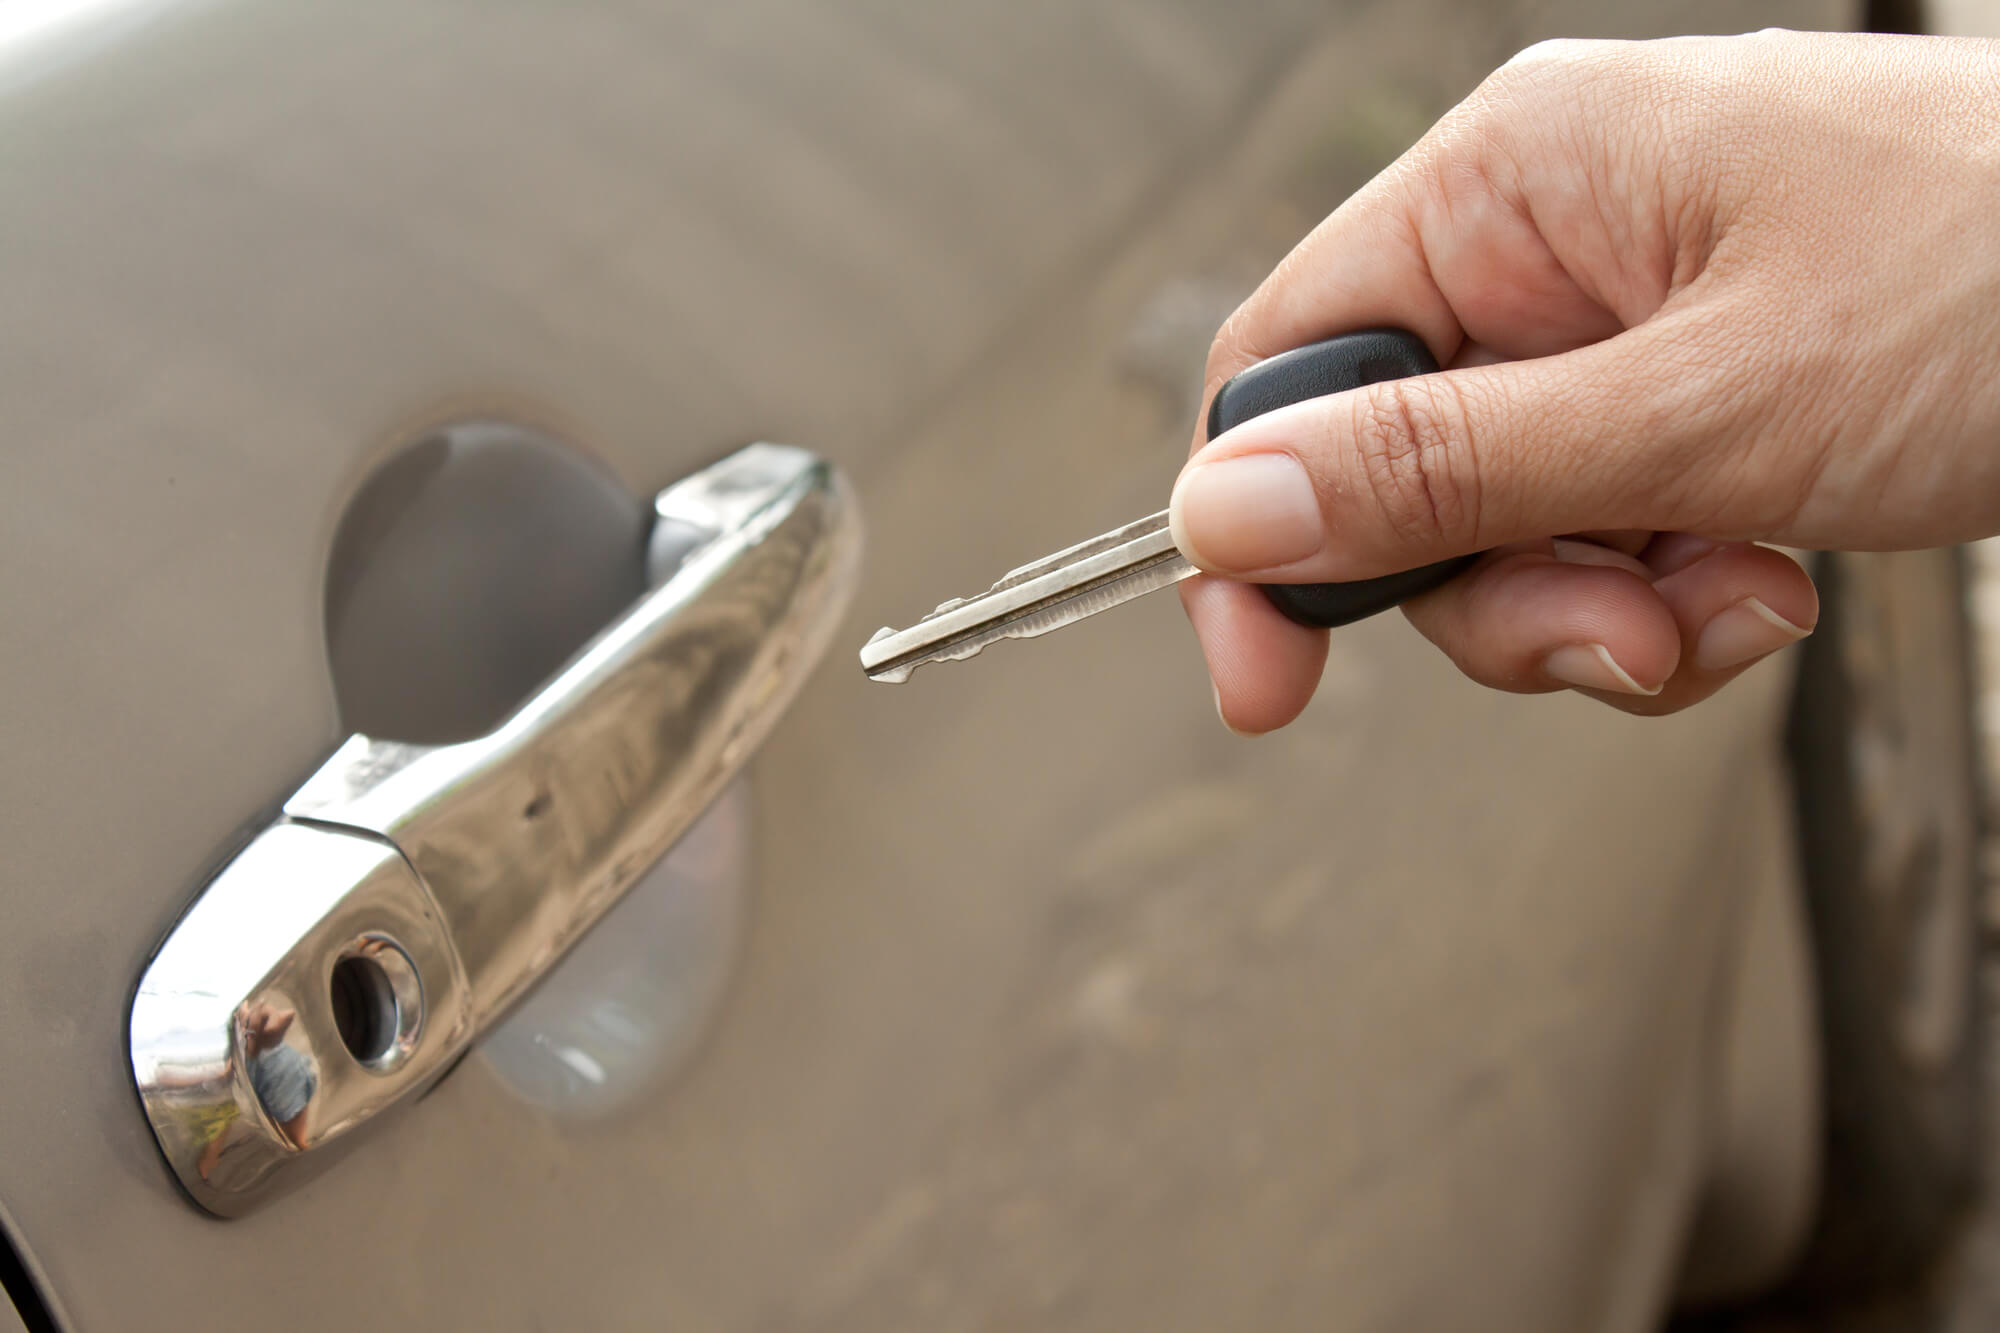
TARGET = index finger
(1446,243)
(1362,267)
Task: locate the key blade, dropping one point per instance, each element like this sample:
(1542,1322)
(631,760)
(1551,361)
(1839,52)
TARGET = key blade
(1067,611)
(1057,590)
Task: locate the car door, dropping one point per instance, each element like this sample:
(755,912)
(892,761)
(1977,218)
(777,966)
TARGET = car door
(1020,994)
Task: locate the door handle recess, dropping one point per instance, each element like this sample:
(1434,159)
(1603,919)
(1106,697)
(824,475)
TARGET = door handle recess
(408,895)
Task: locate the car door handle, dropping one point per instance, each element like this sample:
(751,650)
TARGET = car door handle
(408,895)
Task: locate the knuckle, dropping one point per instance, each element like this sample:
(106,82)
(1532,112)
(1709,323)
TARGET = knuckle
(1553,64)
(1568,78)
(1536,105)
(1550,51)
(1416,458)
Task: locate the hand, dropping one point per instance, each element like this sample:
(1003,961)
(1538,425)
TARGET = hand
(1690,295)
(265,1026)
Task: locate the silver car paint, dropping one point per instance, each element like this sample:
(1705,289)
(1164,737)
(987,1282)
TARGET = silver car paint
(1060,1006)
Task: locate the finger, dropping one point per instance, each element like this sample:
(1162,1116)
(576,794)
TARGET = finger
(1733,605)
(1631,541)
(1400,474)
(1670,552)
(1569,616)
(1263,666)
(1452,253)
(1473,354)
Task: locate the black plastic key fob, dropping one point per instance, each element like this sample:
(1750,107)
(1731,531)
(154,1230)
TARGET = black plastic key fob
(1333,366)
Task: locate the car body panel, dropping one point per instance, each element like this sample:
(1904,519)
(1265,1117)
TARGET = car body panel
(1059,1004)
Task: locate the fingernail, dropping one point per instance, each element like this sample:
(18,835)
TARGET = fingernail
(1742,633)
(1250,512)
(1671,552)
(1217,692)
(1590,553)
(1592,667)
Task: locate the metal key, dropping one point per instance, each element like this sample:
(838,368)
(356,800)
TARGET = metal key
(1125,563)
(1066,587)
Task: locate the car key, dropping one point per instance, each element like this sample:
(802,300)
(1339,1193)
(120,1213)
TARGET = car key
(1110,570)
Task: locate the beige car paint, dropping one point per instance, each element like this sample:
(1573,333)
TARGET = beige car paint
(1060,1007)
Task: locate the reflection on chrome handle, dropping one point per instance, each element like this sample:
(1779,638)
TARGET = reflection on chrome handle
(277,1017)
(527,835)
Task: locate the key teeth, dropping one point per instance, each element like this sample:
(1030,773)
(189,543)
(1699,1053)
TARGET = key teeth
(1102,572)
(897,675)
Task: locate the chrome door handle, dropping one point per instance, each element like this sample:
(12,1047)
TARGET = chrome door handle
(409,894)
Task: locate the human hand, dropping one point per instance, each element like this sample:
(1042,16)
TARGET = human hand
(1690,295)
(265,1026)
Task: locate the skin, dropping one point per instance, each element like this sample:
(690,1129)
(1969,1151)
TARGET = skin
(264,1028)
(1690,296)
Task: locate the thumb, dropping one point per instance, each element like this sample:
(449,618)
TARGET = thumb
(1612,435)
